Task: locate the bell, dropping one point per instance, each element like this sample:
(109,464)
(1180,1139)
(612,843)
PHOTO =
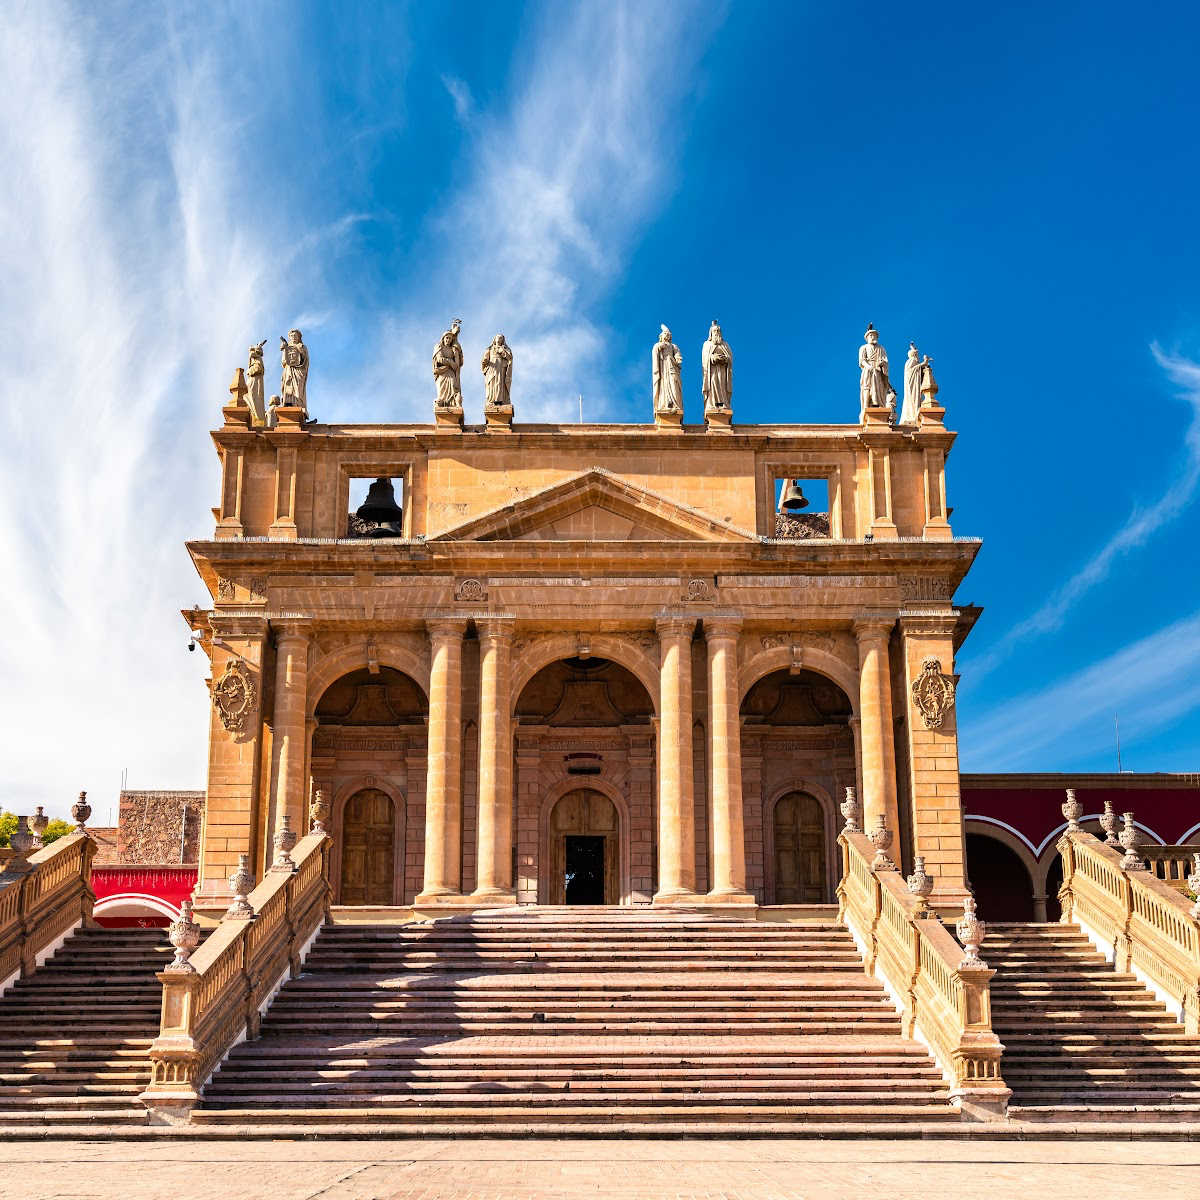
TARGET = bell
(380,509)
(793,498)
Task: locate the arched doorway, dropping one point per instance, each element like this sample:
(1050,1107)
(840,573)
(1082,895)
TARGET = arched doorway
(1002,884)
(801,872)
(584,846)
(368,754)
(798,751)
(584,759)
(368,849)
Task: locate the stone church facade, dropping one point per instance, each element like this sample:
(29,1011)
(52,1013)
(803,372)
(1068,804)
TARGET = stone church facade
(583,661)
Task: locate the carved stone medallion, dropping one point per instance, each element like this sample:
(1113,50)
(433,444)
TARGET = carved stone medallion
(470,591)
(933,693)
(224,589)
(234,696)
(698,589)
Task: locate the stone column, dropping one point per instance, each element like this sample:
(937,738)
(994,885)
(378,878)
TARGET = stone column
(443,787)
(876,736)
(728,866)
(289,747)
(493,862)
(676,820)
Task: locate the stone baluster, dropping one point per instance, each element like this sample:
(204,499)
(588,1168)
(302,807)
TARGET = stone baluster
(241,883)
(1130,841)
(493,870)
(676,817)
(38,826)
(285,842)
(1071,809)
(851,812)
(1108,822)
(184,935)
(971,931)
(920,885)
(881,839)
(81,810)
(443,781)
(318,812)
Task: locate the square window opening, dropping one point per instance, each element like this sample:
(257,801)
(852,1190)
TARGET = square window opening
(376,507)
(801,507)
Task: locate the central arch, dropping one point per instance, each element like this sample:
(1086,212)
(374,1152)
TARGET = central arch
(584,749)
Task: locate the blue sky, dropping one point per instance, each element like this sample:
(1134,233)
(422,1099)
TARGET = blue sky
(1014,188)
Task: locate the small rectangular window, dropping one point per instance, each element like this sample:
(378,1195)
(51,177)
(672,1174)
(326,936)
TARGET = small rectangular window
(801,508)
(376,507)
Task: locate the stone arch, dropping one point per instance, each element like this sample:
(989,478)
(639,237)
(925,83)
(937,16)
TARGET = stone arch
(828,812)
(1002,898)
(575,783)
(545,651)
(346,790)
(329,668)
(128,907)
(779,658)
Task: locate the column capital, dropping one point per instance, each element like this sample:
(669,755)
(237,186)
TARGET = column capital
(495,629)
(446,629)
(721,626)
(874,626)
(291,629)
(670,627)
(929,624)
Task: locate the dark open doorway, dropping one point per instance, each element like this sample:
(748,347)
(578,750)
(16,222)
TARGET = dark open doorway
(584,870)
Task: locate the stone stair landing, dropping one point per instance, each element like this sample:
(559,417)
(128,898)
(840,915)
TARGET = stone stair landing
(562,1020)
(1081,1040)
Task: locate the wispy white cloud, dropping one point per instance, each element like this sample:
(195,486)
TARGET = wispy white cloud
(558,184)
(1137,530)
(139,253)
(1149,683)
(460,93)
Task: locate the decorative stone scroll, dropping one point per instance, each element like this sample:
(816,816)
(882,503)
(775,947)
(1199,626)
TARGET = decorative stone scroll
(933,693)
(234,696)
(470,591)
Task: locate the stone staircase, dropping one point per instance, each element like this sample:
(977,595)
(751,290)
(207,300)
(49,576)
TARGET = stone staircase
(557,1020)
(74,1035)
(1083,1042)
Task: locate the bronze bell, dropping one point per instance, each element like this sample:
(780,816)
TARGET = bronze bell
(793,498)
(380,509)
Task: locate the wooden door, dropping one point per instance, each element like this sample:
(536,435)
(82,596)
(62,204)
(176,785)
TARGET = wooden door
(589,814)
(368,849)
(800,850)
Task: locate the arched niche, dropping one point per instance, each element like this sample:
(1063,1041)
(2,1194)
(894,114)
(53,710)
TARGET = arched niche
(327,669)
(543,651)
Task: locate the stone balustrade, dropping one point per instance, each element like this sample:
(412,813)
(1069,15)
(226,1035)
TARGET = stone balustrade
(216,998)
(43,899)
(1141,923)
(943,995)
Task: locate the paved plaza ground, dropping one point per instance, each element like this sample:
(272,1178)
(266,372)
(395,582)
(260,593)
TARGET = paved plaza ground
(615,1170)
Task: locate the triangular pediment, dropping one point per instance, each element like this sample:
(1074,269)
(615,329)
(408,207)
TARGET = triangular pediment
(594,506)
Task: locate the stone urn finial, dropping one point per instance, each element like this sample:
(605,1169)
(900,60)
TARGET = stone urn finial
(881,839)
(1108,822)
(285,841)
(21,841)
(1130,840)
(1193,882)
(241,883)
(81,810)
(37,825)
(1071,810)
(850,811)
(318,811)
(971,931)
(920,885)
(184,935)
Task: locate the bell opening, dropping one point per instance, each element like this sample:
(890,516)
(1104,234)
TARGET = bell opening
(375,510)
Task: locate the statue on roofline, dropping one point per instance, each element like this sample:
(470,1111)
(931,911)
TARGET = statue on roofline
(874,387)
(293,385)
(255,380)
(716,366)
(497,367)
(447,368)
(665,363)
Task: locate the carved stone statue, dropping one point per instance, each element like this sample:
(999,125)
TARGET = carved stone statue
(874,387)
(293,386)
(447,368)
(716,366)
(497,373)
(665,362)
(255,380)
(914,375)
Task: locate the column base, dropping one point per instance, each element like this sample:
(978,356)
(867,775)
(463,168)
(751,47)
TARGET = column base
(681,896)
(733,896)
(493,897)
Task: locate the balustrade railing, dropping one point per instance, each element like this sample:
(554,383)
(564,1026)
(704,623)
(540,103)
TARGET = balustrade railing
(215,998)
(1146,926)
(43,898)
(942,989)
